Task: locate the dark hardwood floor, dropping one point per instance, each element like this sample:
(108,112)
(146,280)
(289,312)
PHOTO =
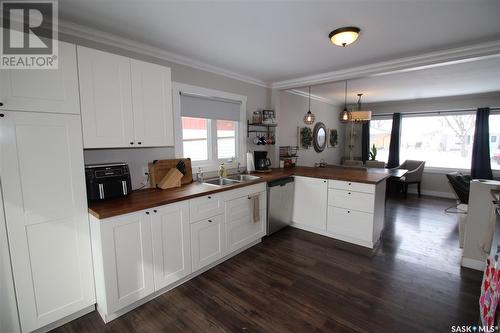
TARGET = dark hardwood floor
(296,281)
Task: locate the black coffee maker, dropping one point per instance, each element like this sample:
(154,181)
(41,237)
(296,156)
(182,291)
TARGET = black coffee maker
(261,160)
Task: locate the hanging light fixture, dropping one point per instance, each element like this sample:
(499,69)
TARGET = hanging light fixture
(344,36)
(309,116)
(345,116)
(361,115)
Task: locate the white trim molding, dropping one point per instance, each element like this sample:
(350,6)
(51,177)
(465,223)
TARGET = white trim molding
(94,35)
(313,97)
(431,59)
(473,264)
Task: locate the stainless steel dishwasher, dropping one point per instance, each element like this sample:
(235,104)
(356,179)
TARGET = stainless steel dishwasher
(279,204)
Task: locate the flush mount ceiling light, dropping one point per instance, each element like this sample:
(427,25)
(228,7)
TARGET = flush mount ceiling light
(344,36)
(309,116)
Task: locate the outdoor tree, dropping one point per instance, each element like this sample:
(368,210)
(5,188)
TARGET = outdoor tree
(462,126)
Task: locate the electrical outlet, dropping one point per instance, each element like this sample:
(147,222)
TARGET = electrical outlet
(145,176)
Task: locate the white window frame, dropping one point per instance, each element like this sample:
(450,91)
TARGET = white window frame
(212,164)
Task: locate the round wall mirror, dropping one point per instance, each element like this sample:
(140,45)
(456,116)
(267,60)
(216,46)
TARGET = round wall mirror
(319,137)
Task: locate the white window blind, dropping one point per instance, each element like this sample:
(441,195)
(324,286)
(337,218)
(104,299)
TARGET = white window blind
(198,106)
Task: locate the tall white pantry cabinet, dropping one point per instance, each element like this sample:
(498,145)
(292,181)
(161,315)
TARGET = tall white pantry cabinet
(43,187)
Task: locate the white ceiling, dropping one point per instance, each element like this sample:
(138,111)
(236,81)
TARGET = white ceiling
(467,78)
(278,40)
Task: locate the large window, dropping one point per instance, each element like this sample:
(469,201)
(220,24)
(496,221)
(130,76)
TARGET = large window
(199,133)
(443,141)
(380,136)
(495,140)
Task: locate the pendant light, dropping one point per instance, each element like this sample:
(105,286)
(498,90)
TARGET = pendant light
(309,116)
(361,115)
(345,116)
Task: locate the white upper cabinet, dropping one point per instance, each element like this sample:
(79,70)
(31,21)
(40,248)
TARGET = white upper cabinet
(310,203)
(106,101)
(171,243)
(43,90)
(124,102)
(45,206)
(152,104)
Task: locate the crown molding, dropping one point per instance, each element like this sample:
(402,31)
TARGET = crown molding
(427,60)
(75,30)
(313,97)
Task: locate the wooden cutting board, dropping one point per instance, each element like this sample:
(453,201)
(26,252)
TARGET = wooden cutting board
(159,168)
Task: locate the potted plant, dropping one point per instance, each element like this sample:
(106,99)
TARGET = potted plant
(373,153)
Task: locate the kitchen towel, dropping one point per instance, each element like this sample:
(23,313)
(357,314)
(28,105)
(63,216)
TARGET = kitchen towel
(256,208)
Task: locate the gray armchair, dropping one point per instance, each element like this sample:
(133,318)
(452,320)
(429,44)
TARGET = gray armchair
(413,176)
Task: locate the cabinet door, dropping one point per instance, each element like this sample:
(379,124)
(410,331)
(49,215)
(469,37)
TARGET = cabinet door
(310,201)
(106,99)
(241,229)
(171,243)
(152,104)
(127,259)
(43,90)
(207,241)
(45,204)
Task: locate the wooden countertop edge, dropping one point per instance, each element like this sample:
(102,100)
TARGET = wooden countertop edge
(104,213)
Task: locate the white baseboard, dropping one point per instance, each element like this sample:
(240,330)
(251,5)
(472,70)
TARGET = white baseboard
(473,264)
(65,320)
(343,238)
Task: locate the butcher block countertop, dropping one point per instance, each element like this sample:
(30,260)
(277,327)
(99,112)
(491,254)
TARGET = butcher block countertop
(148,198)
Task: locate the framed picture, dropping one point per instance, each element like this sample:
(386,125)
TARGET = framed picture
(333,138)
(305,137)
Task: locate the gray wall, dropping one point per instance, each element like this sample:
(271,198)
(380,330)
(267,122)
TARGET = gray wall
(290,114)
(435,182)
(258,98)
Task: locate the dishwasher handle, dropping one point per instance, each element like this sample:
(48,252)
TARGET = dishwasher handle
(280,182)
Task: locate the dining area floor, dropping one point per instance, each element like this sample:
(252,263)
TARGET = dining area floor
(296,281)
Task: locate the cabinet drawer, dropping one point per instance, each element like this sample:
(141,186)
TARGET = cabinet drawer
(351,200)
(351,186)
(205,207)
(350,223)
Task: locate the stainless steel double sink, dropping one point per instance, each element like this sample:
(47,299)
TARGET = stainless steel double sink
(230,180)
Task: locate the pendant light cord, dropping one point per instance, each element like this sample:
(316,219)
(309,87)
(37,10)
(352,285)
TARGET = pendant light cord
(309,98)
(345,96)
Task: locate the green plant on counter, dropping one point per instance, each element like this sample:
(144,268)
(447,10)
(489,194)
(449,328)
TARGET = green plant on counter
(373,153)
(306,137)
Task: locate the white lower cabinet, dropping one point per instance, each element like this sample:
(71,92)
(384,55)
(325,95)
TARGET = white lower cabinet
(207,241)
(171,243)
(139,255)
(241,226)
(310,202)
(127,259)
(356,212)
